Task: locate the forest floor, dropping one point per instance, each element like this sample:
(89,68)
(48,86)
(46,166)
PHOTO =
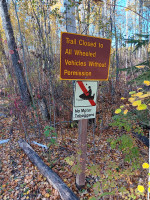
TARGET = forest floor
(20,179)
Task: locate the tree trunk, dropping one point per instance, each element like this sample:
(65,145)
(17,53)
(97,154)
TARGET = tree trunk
(116,44)
(23,88)
(141,14)
(140,25)
(117,57)
(52,177)
(4,59)
(70,17)
(43,108)
(83,16)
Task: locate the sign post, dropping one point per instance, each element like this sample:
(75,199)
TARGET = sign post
(84,108)
(82,142)
(84,58)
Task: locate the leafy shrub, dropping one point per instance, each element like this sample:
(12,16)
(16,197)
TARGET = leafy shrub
(125,144)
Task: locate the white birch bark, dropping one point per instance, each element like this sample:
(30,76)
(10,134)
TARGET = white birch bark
(83,16)
(140,24)
(127,15)
(70,17)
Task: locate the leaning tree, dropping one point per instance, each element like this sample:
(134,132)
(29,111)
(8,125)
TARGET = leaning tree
(21,81)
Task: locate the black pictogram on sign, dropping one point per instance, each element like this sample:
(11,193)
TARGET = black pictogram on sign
(86,94)
(84,104)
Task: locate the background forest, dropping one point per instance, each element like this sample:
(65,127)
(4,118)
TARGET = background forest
(37,106)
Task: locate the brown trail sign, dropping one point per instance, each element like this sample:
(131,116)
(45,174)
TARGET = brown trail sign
(84,57)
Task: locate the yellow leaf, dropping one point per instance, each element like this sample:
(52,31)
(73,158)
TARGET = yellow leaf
(125,112)
(69,161)
(149,189)
(144,96)
(145,165)
(138,94)
(140,188)
(117,111)
(139,89)
(132,92)
(47,195)
(131,99)
(122,98)
(28,192)
(140,66)
(142,107)
(147,83)
(136,103)
(121,106)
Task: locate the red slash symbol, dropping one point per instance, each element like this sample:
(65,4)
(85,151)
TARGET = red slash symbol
(83,88)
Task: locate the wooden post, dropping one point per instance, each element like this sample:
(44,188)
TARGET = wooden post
(82,141)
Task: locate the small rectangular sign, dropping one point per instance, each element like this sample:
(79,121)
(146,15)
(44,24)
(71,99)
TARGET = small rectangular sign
(84,57)
(84,104)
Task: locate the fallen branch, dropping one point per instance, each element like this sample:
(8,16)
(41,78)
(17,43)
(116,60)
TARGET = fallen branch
(40,145)
(65,192)
(4,141)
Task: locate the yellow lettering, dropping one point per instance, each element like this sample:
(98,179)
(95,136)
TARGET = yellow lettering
(75,62)
(96,64)
(85,43)
(80,42)
(77,73)
(83,73)
(84,53)
(100,45)
(65,72)
(69,41)
(68,51)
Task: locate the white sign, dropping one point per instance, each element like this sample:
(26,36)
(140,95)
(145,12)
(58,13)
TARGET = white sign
(84,105)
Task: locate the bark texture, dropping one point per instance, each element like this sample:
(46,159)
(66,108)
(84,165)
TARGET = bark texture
(23,88)
(52,177)
(43,108)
